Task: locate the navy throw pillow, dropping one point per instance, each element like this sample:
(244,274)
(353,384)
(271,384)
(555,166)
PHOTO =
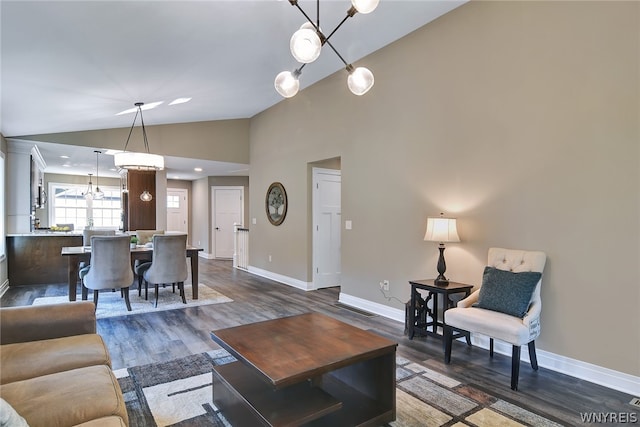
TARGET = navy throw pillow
(507,292)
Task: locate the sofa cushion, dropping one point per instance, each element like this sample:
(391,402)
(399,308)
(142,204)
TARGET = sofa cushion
(112,421)
(22,361)
(67,398)
(507,292)
(9,417)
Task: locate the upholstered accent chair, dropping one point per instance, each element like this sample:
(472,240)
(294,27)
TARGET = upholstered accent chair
(506,307)
(110,266)
(169,264)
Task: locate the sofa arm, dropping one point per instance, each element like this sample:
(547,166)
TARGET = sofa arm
(470,300)
(41,322)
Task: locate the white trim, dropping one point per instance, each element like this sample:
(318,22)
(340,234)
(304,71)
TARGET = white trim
(576,368)
(205,255)
(305,286)
(4,287)
(372,307)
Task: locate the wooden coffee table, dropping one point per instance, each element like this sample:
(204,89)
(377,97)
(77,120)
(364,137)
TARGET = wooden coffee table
(308,369)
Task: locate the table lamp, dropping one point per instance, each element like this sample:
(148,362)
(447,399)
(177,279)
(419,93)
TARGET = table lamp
(442,230)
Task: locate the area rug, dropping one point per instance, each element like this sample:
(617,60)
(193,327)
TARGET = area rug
(179,393)
(111,304)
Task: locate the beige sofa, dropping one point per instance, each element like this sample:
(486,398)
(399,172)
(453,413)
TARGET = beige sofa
(55,370)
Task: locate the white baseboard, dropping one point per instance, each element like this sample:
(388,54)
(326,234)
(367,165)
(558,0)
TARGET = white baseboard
(4,287)
(576,368)
(305,286)
(205,255)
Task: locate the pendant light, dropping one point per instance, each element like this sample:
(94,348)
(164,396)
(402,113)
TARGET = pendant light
(306,44)
(138,161)
(98,195)
(88,195)
(146,196)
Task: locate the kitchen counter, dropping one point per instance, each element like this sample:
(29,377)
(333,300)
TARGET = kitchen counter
(35,258)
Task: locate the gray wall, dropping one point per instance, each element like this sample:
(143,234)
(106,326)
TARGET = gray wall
(518,118)
(4,273)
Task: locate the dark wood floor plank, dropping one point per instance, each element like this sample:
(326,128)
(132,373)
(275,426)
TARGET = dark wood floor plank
(166,335)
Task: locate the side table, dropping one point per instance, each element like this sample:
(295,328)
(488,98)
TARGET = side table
(421,316)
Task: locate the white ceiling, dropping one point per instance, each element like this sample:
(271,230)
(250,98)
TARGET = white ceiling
(72,65)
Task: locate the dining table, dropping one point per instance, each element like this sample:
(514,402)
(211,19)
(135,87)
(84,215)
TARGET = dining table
(78,254)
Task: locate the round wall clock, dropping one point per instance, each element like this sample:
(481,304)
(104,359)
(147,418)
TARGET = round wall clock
(276,203)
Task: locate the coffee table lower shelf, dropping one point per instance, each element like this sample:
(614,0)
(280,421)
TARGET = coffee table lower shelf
(246,400)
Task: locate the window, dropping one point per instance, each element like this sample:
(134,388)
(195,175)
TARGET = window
(173,201)
(68,205)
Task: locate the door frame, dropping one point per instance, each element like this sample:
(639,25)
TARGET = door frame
(315,172)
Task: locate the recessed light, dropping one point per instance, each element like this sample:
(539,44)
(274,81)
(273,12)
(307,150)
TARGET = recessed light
(179,101)
(197,169)
(64,157)
(66,166)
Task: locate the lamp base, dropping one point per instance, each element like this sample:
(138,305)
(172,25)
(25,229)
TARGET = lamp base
(441,281)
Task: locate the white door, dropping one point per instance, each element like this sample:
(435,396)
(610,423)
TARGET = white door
(326,227)
(177,210)
(228,209)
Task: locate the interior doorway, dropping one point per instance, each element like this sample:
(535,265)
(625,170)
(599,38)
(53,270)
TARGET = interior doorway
(326,189)
(178,210)
(227,209)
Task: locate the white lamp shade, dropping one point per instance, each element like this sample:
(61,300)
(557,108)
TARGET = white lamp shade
(442,230)
(360,81)
(305,45)
(287,84)
(138,161)
(365,6)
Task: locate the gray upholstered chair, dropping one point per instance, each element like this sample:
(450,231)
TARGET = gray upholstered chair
(86,241)
(146,236)
(506,307)
(110,266)
(87,234)
(169,264)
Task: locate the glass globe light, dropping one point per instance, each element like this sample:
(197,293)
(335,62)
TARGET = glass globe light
(146,196)
(365,6)
(305,45)
(287,84)
(360,81)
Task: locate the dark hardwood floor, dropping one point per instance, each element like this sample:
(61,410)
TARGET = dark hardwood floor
(165,335)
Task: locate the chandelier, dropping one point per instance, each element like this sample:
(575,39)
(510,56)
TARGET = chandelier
(98,194)
(88,195)
(307,42)
(139,161)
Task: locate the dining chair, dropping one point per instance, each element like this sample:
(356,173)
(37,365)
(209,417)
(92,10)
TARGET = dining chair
(507,306)
(109,266)
(86,241)
(168,265)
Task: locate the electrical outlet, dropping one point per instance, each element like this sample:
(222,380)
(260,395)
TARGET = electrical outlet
(385,285)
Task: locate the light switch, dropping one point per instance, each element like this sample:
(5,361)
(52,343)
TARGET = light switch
(347,224)
(253,221)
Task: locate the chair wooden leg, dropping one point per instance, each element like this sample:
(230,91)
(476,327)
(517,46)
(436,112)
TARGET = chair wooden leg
(157,291)
(448,342)
(146,290)
(140,285)
(181,289)
(532,355)
(95,300)
(490,347)
(125,291)
(173,287)
(85,292)
(515,367)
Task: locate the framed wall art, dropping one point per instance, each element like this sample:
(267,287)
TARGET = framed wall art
(276,203)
